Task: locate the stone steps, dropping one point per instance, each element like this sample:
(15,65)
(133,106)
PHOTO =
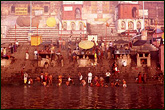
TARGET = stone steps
(47,33)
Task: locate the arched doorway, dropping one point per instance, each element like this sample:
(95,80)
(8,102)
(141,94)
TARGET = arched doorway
(134,12)
(130,25)
(65,26)
(73,26)
(77,13)
(138,25)
(81,26)
(123,25)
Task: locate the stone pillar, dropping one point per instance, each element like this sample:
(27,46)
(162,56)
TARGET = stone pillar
(135,25)
(126,24)
(138,61)
(128,60)
(149,60)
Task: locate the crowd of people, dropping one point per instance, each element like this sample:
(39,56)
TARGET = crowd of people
(12,48)
(100,51)
(46,79)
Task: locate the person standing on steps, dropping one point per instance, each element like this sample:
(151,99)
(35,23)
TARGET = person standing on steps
(14,47)
(89,77)
(4,52)
(27,55)
(11,48)
(35,54)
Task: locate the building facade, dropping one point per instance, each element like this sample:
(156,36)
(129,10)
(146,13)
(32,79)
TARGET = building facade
(88,17)
(127,16)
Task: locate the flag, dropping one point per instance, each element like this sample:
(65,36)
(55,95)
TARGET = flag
(84,25)
(107,24)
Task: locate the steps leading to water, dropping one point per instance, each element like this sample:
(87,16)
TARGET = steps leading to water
(21,34)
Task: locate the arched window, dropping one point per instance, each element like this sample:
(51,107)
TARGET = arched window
(123,25)
(138,25)
(81,26)
(130,25)
(73,26)
(64,26)
(134,12)
(78,13)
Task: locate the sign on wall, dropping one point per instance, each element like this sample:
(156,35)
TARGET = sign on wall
(38,12)
(21,11)
(68,8)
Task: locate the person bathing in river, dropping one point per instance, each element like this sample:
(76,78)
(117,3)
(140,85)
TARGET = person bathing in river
(80,77)
(107,74)
(69,81)
(60,80)
(139,78)
(42,77)
(50,77)
(117,83)
(25,77)
(83,82)
(112,84)
(30,82)
(46,78)
(96,81)
(102,81)
(89,77)
(124,83)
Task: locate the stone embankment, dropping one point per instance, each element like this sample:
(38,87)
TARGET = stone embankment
(11,74)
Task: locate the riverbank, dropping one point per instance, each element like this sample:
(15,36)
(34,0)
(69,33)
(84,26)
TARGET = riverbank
(12,73)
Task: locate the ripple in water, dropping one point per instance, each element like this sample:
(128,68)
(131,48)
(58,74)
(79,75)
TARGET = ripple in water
(78,97)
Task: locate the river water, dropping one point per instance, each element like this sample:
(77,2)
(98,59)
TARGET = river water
(135,96)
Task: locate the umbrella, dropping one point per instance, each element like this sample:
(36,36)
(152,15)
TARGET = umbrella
(51,22)
(139,42)
(121,42)
(86,44)
(158,31)
(163,36)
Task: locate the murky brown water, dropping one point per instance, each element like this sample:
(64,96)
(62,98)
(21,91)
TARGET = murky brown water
(77,97)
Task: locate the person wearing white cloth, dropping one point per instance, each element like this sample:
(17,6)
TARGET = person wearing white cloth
(35,54)
(27,55)
(89,77)
(124,63)
(108,74)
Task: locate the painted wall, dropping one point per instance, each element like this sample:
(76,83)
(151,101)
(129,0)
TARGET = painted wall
(161,58)
(125,11)
(69,10)
(135,22)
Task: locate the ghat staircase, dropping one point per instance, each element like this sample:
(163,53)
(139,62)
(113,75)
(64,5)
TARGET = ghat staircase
(47,33)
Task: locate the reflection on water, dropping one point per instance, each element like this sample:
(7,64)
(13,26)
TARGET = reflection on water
(78,97)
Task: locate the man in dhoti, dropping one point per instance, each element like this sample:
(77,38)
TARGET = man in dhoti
(89,77)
